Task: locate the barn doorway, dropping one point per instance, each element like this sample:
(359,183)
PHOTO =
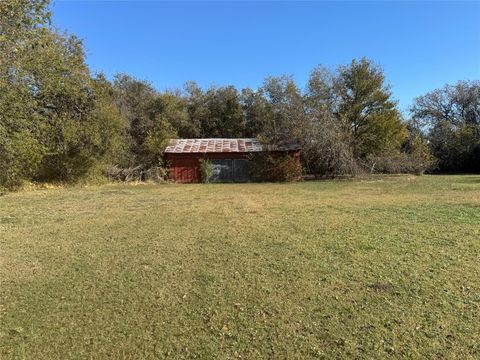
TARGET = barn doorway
(230,170)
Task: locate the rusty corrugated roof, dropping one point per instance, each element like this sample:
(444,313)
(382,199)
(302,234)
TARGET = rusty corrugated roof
(218,145)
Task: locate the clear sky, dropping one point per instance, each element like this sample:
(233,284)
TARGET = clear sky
(421,46)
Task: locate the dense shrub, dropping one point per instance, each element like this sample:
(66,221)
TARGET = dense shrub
(400,163)
(326,151)
(19,159)
(274,168)
(414,158)
(206,170)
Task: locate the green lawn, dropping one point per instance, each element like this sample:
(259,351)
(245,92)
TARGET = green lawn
(386,267)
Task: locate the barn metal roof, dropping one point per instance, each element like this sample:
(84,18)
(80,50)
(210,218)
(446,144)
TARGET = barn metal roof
(218,145)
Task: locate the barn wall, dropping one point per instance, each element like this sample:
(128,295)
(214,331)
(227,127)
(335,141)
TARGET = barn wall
(184,170)
(185,167)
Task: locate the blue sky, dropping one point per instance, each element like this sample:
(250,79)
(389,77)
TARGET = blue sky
(421,46)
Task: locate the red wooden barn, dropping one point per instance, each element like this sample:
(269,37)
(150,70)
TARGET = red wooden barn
(228,156)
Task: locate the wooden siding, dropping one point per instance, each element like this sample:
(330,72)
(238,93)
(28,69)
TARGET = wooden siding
(185,167)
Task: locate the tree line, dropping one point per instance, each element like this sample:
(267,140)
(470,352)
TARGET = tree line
(60,122)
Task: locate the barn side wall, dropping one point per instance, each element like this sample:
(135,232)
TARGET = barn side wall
(185,167)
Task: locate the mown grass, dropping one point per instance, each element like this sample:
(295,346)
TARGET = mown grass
(386,267)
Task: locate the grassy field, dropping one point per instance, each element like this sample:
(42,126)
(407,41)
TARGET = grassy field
(386,267)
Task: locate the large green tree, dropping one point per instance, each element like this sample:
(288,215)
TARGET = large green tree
(255,111)
(69,118)
(451,118)
(224,115)
(366,109)
(216,112)
(285,113)
(20,150)
(326,146)
(54,121)
(150,118)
